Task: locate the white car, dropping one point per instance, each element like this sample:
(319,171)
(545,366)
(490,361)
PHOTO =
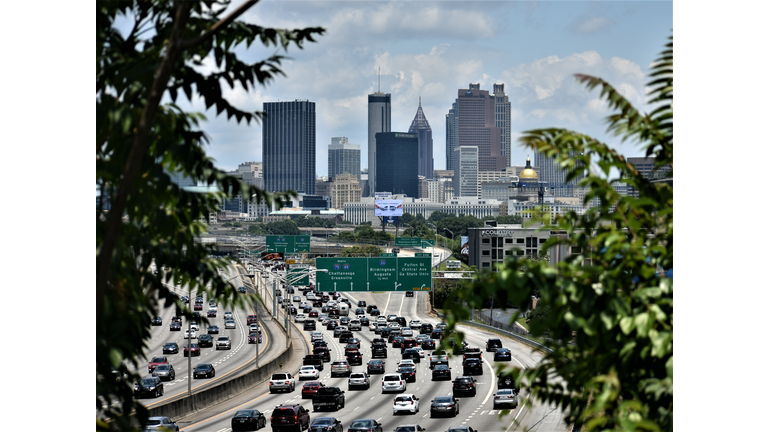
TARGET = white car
(373,326)
(228,315)
(414,324)
(394,326)
(300,318)
(381,320)
(296,298)
(310,296)
(190,334)
(505,397)
(407,362)
(230,324)
(406,332)
(405,402)
(421,351)
(317,336)
(194,326)
(308,372)
(391,317)
(332,303)
(254,328)
(393,382)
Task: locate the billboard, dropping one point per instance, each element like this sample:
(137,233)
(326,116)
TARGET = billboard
(388,207)
(272,256)
(465,245)
(383,195)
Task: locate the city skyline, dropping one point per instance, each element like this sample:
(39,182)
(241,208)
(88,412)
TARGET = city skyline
(431,49)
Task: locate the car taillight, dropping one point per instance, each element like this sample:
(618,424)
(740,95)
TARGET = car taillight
(287,382)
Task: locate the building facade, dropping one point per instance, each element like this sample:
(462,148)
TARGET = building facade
(465,183)
(489,246)
(645,167)
(343,157)
(451,136)
(379,120)
(288,146)
(477,127)
(503,118)
(345,188)
(551,173)
(420,126)
(397,169)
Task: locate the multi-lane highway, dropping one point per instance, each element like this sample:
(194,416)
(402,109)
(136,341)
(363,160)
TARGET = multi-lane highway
(476,412)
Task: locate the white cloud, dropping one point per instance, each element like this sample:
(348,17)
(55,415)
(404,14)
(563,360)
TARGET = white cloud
(589,25)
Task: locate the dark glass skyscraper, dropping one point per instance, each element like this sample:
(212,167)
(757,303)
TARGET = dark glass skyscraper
(397,163)
(420,126)
(379,120)
(288,146)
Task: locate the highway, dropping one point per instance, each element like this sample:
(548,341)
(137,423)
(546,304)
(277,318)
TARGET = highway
(476,412)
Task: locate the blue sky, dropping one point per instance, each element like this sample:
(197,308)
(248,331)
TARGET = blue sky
(431,49)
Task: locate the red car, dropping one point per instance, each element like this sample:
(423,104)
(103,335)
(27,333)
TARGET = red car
(252,319)
(310,389)
(313,314)
(195,350)
(198,306)
(157,360)
(253,337)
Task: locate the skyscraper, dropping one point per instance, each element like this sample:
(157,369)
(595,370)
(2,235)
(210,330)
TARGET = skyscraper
(477,127)
(465,180)
(343,157)
(288,146)
(554,176)
(451,136)
(397,163)
(379,120)
(503,118)
(420,126)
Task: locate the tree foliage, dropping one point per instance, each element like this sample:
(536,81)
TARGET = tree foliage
(362,251)
(611,295)
(139,141)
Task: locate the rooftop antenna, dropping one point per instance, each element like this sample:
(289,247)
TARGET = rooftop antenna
(379,79)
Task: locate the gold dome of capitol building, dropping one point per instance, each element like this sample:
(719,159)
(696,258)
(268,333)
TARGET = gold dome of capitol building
(528,173)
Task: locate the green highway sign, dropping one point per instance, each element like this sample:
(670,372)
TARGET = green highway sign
(423,254)
(389,255)
(288,243)
(427,243)
(297,277)
(374,274)
(408,242)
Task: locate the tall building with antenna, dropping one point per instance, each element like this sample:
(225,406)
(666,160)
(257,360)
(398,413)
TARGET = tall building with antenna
(379,120)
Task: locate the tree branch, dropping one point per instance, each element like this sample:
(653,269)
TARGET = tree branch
(191,43)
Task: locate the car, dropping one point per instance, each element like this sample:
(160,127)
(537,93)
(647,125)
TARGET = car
(473,352)
(461,429)
(421,352)
(190,334)
(165,372)
(393,382)
(502,354)
(441,371)
(326,424)
(408,428)
(241,290)
(329,397)
(161,423)
(157,321)
(425,328)
(194,348)
(375,312)
(409,293)
(223,342)
(248,420)
(406,332)
(365,425)
(472,366)
(323,352)
(212,303)
(204,370)
(316,336)
(205,340)
(291,417)
(369,308)
(198,306)
(355,358)
(157,360)
(407,372)
(230,324)
(254,338)
(381,320)
(213,329)
(361,303)
(175,326)
(310,389)
(308,372)
(194,326)
(376,366)
(251,319)
(391,317)
(340,368)
(397,341)
(297,299)
(228,315)
(436,334)
(493,344)
(313,313)
(331,324)
(171,348)
(300,318)
(358,379)
(405,402)
(211,313)
(428,343)
(345,336)
(364,322)
(310,324)
(505,397)
(149,385)
(444,405)
(506,380)
(408,343)
(379,349)
(414,323)
(337,330)
(412,354)
(465,384)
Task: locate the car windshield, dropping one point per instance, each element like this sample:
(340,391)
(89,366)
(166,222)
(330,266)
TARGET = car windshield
(158,360)
(148,382)
(308,368)
(357,375)
(203,366)
(392,378)
(163,367)
(312,384)
(153,422)
(362,424)
(406,429)
(403,399)
(441,367)
(326,391)
(244,413)
(323,420)
(504,392)
(442,399)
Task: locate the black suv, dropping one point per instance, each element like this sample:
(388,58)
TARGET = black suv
(506,381)
(426,328)
(361,303)
(205,340)
(401,321)
(328,397)
(379,350)
(492,344)
(464,384)
(473,366)
(289,417)
(310,325)
(149,385)
(355,359)
(345,336)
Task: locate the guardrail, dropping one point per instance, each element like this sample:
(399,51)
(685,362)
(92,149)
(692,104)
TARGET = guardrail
(521,339)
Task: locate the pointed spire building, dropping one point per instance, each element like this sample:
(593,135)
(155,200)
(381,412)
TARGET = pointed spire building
(420,126)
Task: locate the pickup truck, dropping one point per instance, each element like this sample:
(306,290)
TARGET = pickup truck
(437,359)
(328,397)
(313,360)
(282,381)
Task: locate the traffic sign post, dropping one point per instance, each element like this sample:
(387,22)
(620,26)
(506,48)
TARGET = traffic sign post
(427,243)
(375,274)
(412,242)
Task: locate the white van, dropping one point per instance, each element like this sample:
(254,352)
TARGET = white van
(343,309)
